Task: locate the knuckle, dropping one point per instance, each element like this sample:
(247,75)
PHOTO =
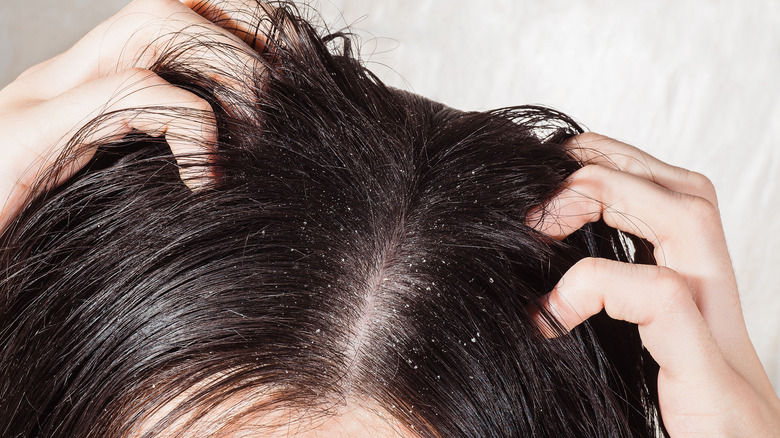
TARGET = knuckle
(704,211)
(592,180)
(579,144)
(626,163)
(702,186)
(671,288)
(590,173)
(582,285)
(585,269)
(665,278)
(591,264)
(587,137)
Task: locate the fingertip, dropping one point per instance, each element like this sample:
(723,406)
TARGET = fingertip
(193,142)
(185,119)
(545,320)
(194,161)
(541,220)
(545,327)
(577,141)
(196,180)
(549,224)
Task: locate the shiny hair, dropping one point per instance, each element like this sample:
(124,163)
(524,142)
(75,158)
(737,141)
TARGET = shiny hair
(357,242)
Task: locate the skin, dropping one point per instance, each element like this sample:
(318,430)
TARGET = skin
(711,382)
(238,417)
(108,70)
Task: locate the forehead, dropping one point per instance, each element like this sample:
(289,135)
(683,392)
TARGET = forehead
(240,417)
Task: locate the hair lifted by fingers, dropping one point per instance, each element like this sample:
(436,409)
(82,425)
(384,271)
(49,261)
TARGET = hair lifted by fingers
(357,245)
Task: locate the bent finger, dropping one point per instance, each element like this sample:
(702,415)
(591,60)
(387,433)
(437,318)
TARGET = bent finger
(686,235)
(685,231)
(657,299)
(631,204)
(134,99)
(693,371)
(592,148)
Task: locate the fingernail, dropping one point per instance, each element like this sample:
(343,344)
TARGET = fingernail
(541,321)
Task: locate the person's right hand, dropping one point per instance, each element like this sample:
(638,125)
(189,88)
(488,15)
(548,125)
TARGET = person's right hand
(711,382)
(107,71)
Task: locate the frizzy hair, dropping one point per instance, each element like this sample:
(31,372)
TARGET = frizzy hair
(358,242)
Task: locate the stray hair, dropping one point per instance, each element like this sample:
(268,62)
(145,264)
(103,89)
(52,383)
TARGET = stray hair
(358,245)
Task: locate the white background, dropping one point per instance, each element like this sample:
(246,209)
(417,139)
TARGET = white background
(693,82)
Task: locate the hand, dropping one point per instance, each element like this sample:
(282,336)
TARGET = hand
(711,382)
(108,71)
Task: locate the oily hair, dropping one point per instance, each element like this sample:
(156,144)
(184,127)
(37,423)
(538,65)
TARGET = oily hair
(356,243)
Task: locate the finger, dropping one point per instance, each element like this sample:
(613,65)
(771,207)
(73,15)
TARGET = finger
(629,203)
(693,377)
(655,298)
(685,231)
(686,235)
(160,108)
(660,302)
(247,19)
(591,148)
(135,38)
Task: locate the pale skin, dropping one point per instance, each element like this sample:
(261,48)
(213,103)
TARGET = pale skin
(711,382)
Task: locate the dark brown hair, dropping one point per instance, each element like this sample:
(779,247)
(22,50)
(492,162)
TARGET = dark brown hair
(357,242)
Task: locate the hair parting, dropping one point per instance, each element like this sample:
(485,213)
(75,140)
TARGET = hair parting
(358,245)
